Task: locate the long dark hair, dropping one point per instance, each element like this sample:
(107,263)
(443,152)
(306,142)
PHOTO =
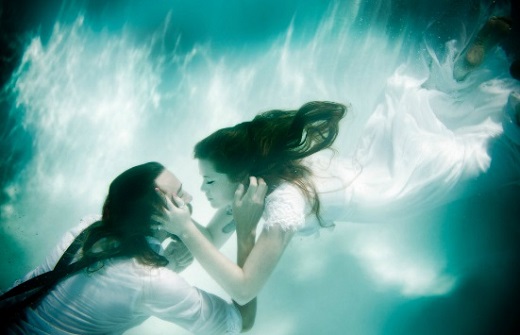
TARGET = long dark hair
(126,218)
(121,233)
(273,145)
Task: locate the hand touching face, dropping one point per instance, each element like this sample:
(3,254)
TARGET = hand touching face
(171,186)
(176,213)
(249,206)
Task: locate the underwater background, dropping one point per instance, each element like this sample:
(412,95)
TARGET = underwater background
(91,88)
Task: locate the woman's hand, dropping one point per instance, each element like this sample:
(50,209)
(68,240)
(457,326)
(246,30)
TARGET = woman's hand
(175,217)
(248,206)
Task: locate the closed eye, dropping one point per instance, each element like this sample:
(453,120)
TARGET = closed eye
(210,182)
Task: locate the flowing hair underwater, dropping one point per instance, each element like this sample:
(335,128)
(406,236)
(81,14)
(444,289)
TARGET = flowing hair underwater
(273,145)
(121,233)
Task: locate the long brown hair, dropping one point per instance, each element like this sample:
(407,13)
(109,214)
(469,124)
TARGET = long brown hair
(273,145)
(126,218)
(122,232)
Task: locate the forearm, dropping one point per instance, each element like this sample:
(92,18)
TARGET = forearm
(226,273)
(248,311)
(218,229)
(203,230)
(241,283)
(245,244)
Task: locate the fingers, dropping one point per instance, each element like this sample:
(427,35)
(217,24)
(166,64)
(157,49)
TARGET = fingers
(253,181)
(239,193)
(257,188)
(184,258)
(177,253)
(179,202)
(167,201)
(256,191)
(253,185)
(262,188)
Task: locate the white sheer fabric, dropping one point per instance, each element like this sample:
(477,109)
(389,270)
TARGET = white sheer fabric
(285,207)
(430,140)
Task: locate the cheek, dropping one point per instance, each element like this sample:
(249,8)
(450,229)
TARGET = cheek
(231,191)
(227,193)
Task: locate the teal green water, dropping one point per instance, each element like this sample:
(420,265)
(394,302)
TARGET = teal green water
(101,86)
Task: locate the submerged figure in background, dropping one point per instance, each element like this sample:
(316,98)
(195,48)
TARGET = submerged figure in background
(500,31)
(495,30)
(113,272)
(438,127)
(271,147)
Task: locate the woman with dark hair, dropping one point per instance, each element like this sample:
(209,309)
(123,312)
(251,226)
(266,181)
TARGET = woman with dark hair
(272,147)
(112,273)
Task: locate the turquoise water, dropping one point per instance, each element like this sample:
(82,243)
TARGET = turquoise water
(101,86)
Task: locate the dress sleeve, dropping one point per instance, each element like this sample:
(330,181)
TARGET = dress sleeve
(169,297)
(285,207)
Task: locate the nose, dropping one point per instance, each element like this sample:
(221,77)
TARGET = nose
(203,187)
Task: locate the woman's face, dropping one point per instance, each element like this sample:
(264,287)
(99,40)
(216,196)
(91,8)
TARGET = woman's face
(219,190)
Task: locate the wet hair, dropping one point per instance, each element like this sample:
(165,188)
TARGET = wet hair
(273,145)
(121,233)
(127,218)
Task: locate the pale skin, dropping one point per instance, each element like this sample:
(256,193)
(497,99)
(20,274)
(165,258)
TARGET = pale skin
(247,215)
(244,280)
(178,255)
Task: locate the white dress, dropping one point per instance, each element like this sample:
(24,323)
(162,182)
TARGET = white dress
(287,207)
(121,295)
(431,140)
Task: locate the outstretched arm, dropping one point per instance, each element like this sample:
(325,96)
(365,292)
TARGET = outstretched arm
(245,243)
(242,283)
(220,228)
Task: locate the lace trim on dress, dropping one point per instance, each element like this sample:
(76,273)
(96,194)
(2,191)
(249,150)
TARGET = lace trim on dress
(285,207)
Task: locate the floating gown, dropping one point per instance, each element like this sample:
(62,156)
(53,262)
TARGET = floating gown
(431,139)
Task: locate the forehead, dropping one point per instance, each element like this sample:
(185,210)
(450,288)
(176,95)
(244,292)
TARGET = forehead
(168,182)
(207,169)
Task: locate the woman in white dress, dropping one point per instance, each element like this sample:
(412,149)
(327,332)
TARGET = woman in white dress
(272,148)
(430,140)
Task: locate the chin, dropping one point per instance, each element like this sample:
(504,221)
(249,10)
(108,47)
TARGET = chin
(215,204)
(219,205)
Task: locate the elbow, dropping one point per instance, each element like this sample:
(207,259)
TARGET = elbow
(243,298)
(242,293)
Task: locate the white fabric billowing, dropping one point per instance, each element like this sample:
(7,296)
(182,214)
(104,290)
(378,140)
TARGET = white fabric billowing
(430,140)
(121,295)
